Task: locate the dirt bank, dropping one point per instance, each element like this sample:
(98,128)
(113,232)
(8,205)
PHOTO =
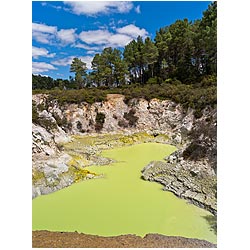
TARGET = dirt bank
(46,239)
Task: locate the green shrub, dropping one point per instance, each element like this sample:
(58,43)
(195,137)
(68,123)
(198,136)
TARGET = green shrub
(196,96)
(198,113)
(79,127)
(130,117)
(41,106)
(210,80)
(152,80)
(35,115)
(122,124)
(194,152)
(99,121)
(41,121)
(61,122)
(46,123)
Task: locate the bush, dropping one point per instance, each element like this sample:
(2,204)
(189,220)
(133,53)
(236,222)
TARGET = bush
(194,152)
(152,80)
(61,122)
(198,113)
(79,127)
(42,106)
(35,115)
(210,80)
(99,121)
(46,123)
(123,123)
(196,96)
(130,117)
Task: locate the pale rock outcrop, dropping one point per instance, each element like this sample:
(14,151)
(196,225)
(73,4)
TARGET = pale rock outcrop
(42,141)
(164,119)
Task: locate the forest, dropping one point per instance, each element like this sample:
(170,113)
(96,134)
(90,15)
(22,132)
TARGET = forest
(179,64)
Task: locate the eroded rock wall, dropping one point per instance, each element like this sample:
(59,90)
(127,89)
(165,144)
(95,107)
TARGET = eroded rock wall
(195,138)
(138,115)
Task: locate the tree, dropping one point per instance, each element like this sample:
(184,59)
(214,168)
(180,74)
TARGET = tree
(139,57)
(120,68)
(129,55)
(150,54)
(96,73)
(42,82)
(176,48)
(109,69)
(136,59)
(184,51)
(79,67)
(162,39)
(206,41)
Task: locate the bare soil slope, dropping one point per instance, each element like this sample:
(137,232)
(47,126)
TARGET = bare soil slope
(46,239)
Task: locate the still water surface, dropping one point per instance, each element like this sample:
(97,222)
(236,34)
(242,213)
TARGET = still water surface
(122,203)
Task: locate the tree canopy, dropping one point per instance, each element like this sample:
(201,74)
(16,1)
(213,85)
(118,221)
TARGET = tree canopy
(79,67)
(184,51)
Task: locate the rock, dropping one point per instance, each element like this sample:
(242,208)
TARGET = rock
(165,122)
(182,183)
(42,141)
(60,137)
(177,138)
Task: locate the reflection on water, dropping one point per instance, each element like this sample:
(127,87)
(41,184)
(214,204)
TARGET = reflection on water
(212,221)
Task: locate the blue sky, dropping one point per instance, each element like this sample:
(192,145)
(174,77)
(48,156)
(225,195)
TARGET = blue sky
(64,30)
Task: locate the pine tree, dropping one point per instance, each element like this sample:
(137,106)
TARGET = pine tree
(150,54)
(79,67)
(109,69)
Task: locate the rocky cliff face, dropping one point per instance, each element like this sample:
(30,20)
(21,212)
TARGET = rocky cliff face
(196,139)
(190,172)
(137,115)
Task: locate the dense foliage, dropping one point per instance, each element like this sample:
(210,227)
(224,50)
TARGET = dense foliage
(180,64)
(109,69)
(79,68)
(193,96)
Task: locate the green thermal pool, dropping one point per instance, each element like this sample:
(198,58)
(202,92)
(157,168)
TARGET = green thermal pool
(122,203)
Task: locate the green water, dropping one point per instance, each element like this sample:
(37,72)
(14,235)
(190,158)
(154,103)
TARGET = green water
(122,203)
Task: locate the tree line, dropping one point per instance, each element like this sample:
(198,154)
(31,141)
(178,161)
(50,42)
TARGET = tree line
(183,51)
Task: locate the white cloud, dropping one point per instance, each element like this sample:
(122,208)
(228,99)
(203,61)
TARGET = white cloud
(137,9)
(121,36)
(122,7)
(49,34)
(122,21)
(95,36)
(119,40)
(87,47)
(91,52)
(67,35)
(36,52)
(104,7)
(48,4)
(87,60)
(68,60)
(39,67)
(63,61)
(133,31)
(42,37)
(43,33)
(44,28)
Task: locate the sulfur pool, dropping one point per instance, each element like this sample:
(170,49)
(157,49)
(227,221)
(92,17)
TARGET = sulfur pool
(121,202)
